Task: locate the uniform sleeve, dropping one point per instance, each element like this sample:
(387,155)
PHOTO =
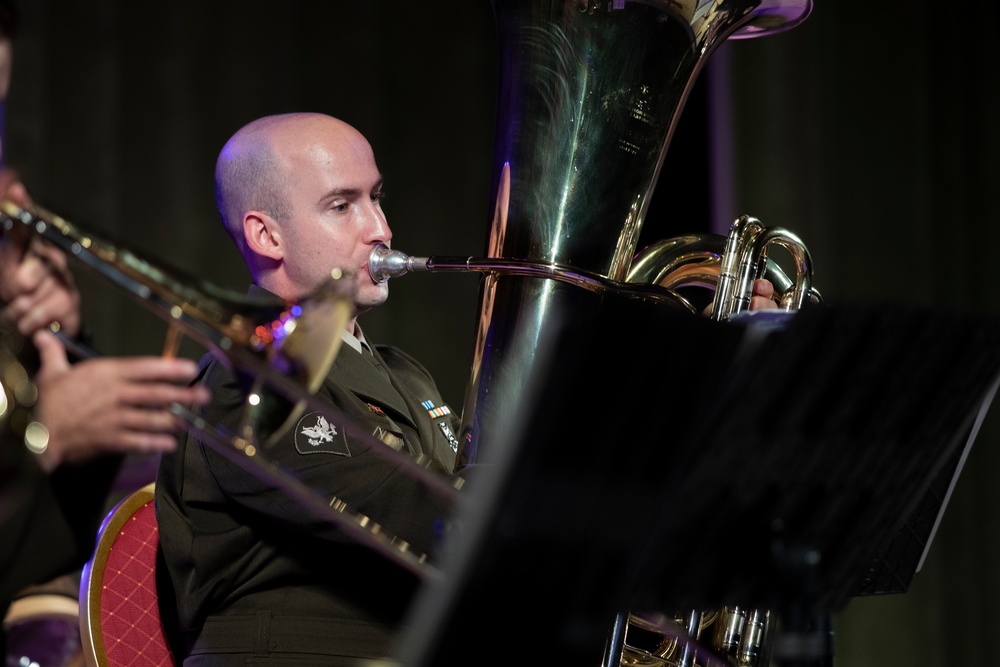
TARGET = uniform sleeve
(350,474)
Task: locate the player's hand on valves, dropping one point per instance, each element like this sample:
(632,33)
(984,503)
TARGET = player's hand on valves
(762,297)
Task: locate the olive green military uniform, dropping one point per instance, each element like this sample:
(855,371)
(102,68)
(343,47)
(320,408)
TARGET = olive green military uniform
(259,576)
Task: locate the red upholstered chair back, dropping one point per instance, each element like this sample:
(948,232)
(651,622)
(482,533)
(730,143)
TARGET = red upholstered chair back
(120,621)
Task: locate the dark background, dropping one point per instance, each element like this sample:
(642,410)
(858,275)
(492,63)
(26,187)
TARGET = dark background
(870,130)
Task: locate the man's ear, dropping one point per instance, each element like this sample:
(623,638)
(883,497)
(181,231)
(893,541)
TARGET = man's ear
(262,234)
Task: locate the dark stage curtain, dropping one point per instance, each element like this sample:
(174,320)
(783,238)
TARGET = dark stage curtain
(871,131)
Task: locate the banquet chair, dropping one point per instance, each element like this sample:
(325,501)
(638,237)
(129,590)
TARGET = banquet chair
(120,617)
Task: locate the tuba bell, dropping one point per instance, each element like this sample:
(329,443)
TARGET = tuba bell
(590,95)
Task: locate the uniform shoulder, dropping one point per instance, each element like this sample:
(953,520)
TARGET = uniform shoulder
(399,360)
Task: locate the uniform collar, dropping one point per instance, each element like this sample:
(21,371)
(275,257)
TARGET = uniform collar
(357,339)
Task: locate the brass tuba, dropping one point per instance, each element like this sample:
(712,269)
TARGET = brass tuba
(590,94)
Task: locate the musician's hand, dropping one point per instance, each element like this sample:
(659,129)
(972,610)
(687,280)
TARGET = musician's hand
(763,295)
(12,188)
(109,405)
(36,286)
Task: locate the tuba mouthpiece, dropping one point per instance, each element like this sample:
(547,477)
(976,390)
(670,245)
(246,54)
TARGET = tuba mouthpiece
(384,263)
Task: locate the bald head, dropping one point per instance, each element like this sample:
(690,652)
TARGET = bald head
(254,168)
(301,195)
(248,176)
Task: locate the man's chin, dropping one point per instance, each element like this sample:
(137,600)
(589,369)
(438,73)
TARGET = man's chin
(372,296)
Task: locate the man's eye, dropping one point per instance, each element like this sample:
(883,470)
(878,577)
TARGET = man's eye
(378,197)
(341,207)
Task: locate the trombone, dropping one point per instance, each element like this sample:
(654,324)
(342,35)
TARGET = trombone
(287,349)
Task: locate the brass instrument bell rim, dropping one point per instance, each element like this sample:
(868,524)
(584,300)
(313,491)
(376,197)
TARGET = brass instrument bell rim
(774,16)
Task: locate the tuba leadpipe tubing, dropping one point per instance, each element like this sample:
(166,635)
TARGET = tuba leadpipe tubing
(384,264)
(730,269)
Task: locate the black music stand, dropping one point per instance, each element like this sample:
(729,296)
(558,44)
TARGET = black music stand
(705,464)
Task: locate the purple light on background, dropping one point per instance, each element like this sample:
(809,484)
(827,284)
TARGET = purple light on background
(720,142)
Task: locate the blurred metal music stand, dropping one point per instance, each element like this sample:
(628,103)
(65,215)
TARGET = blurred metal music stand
(698,464)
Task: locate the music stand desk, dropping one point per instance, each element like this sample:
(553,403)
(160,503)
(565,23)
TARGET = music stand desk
(699,464)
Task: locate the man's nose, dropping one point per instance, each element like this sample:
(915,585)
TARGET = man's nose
(378,227)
